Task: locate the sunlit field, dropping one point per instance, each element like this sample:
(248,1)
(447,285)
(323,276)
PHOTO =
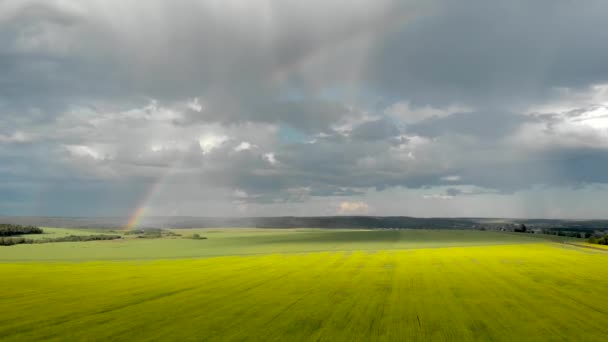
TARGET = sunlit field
(51,233)
(306,285)
(239,241)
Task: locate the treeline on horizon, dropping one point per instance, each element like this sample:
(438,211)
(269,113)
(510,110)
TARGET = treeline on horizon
(151,233)
(10,241)
(10,234)
(345,222)
(16,229)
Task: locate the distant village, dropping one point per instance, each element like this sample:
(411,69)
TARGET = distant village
(576,231)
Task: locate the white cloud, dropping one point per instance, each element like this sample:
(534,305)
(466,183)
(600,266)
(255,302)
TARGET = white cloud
(210,142)
(195,105)
(451,178)
(437,197)
(567,99)
(576,118)
(596,118)
(243,146)
(405,113)
(355,118)
(240,194)
(270,157)
(84,151)
(348,207)
(581,128)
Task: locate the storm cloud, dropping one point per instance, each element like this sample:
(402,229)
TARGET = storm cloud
(269,107)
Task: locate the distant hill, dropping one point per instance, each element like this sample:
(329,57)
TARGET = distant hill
(358,222)
(260,222)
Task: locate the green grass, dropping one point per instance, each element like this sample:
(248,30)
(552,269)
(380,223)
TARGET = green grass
(306,285)
(222,242)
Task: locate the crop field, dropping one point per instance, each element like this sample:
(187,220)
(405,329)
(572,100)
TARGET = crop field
(240,241)
(306,285)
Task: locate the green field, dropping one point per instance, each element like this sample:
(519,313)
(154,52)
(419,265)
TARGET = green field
(243,241)
(52,233)
(306,285)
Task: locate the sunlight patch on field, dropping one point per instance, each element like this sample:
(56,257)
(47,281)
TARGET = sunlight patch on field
(52,233)
(223,242)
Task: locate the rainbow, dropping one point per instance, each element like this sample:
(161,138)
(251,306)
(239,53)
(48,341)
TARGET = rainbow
(135,218)
(141,209)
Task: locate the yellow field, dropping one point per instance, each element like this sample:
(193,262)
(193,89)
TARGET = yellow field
(529,292)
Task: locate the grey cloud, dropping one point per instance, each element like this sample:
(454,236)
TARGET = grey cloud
(439,52)
(308,115)
(187,48)
(507,53)
(375,130)
(483,124)
(314,84)
(453,192)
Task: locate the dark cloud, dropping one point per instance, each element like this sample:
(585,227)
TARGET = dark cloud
(507,53)
(310,115)
(375,130)
(250,103)
(492,125)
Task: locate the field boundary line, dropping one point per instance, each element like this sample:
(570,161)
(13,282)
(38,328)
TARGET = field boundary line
(587,247)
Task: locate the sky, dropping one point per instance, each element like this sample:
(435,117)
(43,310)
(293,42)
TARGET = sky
(282,107)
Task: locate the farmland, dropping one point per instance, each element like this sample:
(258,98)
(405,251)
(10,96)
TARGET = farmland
(240,241)
(306,284)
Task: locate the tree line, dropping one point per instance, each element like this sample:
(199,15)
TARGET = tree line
(599,240)
(10,241)
(15,229)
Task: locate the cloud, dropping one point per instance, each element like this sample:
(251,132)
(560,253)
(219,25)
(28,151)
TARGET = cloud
(243,146)
(451,178)
(437,197)
(309,104)
(488,125)
(83,151)
(210,142)
(270,158)
(16,137)
(195,105)
(374,130)
(577,128)
(404,112)
(488,54)
(454,192)
(349,208)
